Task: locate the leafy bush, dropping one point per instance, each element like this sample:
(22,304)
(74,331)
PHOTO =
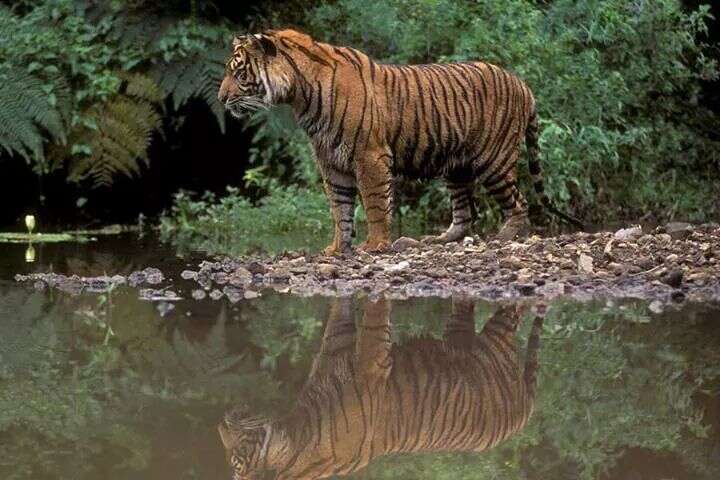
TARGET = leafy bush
(92,80)
(235,225)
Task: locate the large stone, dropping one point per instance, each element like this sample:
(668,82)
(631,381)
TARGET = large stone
(188,275)
(678,230)
(241,276)
(403,243)
(628,234)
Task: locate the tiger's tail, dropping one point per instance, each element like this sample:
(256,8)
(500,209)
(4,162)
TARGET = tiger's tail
(531,141)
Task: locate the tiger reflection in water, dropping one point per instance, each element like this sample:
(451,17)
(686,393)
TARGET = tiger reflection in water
(367,397)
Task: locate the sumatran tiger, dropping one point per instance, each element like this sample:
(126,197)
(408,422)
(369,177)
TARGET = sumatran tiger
(367,397)
(367,122)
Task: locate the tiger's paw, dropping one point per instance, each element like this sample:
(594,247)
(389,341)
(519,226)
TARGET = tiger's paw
(334,250)
(446,237)
(375,246)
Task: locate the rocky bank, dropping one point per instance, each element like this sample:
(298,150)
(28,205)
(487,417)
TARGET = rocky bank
(673,263)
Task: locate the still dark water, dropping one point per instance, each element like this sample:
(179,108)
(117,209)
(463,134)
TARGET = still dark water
(108,386)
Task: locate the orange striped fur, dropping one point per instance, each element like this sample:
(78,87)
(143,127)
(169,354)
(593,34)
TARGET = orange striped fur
(463,122)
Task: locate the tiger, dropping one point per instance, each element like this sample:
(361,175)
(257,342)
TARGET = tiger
(370,122)
(367,397)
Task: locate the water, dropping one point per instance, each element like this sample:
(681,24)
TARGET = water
(108,386)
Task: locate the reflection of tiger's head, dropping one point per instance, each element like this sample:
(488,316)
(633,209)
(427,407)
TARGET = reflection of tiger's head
(246,441)
(264,68)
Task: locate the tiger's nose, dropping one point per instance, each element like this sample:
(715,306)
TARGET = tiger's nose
(222,95)
(224,91)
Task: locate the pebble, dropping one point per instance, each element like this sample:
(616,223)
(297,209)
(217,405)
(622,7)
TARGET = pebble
(673,278)
(188,275)
(153,276)
(327,270)
(403,265)
(585,263)
(645,263)
(256,268)
(240,276)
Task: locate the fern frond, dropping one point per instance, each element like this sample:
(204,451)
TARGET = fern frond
(26,116)
(142,87)
(196,76)
(125,127)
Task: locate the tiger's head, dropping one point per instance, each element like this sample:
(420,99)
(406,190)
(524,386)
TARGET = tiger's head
(246,440)
(253,75)
(265,68)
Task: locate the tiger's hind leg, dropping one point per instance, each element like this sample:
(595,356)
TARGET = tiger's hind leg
(341,191)
(503,188)
(461,199)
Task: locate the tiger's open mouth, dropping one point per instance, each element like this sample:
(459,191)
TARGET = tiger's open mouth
(238,105)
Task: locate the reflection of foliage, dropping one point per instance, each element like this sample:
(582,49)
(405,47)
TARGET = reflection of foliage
(75,398)
(602,394)
(285,329)
(25,339)
(51,408)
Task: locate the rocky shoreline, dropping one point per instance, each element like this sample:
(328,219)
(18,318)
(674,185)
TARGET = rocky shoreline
(673,263)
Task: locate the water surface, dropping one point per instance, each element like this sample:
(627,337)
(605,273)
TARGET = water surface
(109,386)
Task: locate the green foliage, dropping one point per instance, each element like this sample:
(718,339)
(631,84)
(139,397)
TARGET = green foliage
(234,225)
(617,85)
(90,81)
(115,135)
(29,113)
(193,65)
(624,134)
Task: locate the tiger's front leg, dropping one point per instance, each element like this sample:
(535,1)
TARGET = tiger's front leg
(374,180)
(341,191)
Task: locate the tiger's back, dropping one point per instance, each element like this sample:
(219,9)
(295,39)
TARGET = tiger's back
(451,120)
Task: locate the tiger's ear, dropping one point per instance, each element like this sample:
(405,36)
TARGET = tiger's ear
(265,45)
(240,41)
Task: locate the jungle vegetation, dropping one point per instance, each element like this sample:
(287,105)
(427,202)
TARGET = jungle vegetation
(627,93)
